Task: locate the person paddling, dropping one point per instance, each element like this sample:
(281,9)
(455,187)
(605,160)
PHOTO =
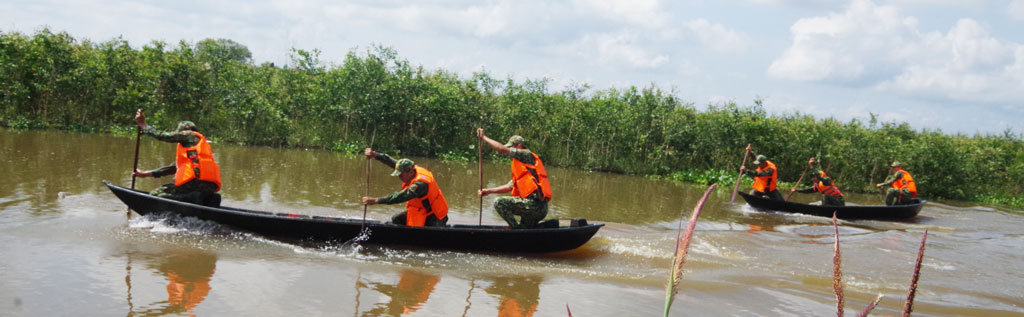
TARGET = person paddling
(195,169)
(903,190)
(425,204)
(530,188)
(824,185)
(766,178)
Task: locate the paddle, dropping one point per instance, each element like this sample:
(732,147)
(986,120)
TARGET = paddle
(480,166)
(800,179)
(736,187)
(366,193)
(138,139)
(798,182)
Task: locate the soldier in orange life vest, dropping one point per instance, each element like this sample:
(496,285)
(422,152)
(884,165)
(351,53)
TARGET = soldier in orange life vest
(903,190)
(195,170)
(766,178)
(424,203)
(530,188)
(824,185)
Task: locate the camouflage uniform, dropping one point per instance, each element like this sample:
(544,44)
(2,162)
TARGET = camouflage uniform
(417,189)
(826,200)
(531,210)
(897,196)
(183,135)
(766,172)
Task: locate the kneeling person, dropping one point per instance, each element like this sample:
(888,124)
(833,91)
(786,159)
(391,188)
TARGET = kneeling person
(196,173)
(424,203)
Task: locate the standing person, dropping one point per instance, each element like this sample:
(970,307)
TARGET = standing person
(766,178)
(424,203)
(903,189)
(823,184)
(530,188)
(195,170)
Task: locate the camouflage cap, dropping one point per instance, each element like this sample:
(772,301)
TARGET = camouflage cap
(760,158)
(186,125)
(516,140)
(896,164)
(403,165)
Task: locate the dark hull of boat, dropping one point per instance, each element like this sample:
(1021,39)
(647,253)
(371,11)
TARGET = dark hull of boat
(897,212)
(317,228)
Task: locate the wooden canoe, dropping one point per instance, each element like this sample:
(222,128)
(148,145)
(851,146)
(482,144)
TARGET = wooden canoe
(485,238)
(896,212)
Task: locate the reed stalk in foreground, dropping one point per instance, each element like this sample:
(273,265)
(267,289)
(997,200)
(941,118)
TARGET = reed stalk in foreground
(867,310)
(682,244)
(908,307)
(837,271)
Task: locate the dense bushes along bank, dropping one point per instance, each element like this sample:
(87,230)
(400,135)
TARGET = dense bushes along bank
(51,80)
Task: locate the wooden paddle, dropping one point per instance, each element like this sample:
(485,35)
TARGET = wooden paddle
(798,182)
(480,166)
(802,177)
(366,193)
(135,166)
(736,187)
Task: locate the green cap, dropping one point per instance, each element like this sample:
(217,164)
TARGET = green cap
(186,125)
(896,164)
(516,140)
(403,165)
(760,158)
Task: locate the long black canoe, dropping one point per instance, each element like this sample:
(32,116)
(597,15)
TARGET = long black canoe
(896,212)
(319,228)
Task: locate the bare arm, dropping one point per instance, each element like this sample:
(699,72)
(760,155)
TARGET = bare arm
(496,190)
(497,146)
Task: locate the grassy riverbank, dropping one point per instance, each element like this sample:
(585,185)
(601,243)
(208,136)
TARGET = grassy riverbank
(52,80)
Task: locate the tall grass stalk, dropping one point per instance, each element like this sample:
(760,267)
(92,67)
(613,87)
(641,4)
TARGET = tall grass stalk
(867,310)
(908,307)
(837,271)
(682,245)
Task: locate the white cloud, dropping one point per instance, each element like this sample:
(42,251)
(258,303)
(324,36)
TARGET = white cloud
(1016,10)
(717,37)
(876,46)
(862,41)
(615,50)
(644,13)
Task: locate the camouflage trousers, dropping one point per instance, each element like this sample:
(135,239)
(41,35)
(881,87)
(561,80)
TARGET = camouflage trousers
(182,192)
(829,200)
(898,197)
(530,211)
(774,195)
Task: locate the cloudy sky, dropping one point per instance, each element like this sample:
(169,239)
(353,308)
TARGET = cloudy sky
(954,65)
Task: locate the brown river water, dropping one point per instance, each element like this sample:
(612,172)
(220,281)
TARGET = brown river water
(67,247)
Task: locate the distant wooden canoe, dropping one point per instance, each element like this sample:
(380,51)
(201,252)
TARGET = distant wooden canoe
(896,212)
(319,228)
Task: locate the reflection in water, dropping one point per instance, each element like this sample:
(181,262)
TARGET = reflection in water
(188,282)
(517,295)
(407,296)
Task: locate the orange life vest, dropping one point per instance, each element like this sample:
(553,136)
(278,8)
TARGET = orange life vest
(523,182)
(196,160)
(827,189)
(768,183)
(906,182)
(433,203)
